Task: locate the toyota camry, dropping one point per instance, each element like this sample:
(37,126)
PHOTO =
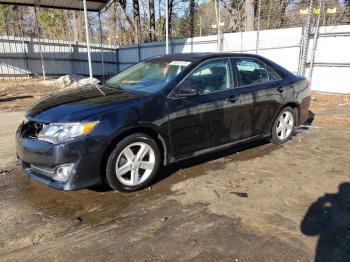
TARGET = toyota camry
(162,110)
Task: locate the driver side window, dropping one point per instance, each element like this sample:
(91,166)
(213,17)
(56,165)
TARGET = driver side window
(211,76)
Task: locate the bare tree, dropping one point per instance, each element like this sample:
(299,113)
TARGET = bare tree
(136,15)
(249,15)
(192,5)
(152,21)
(78,26)
(112,24)
(235,9)
(126,17)
(171,4)
(159,21)
(137,23)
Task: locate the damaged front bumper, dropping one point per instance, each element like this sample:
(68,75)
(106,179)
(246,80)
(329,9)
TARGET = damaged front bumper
(67,166)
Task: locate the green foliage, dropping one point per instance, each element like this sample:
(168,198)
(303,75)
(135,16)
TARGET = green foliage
(5,17)
(50,20)
(184,24)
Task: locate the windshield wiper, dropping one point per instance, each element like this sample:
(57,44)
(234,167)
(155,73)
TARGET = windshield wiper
(110,86)
(99,89)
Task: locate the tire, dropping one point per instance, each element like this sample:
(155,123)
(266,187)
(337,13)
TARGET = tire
(282,131)
(133,163)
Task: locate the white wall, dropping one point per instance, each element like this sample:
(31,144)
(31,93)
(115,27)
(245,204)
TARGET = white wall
(332,50)
(331,71)
(280,45)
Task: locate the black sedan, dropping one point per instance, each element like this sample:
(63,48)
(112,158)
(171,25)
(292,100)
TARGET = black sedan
(159,111)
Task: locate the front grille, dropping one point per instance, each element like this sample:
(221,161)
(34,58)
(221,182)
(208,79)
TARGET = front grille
(31,129)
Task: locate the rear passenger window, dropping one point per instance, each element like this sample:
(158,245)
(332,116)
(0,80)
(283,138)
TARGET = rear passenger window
(252,71)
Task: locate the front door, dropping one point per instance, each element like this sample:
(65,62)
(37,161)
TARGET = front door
(199,122)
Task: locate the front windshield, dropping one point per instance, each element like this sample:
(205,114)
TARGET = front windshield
(148,76)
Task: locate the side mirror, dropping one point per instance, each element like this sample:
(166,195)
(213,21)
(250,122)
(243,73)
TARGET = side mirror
(187,91)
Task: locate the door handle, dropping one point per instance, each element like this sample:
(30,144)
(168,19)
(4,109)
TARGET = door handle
(281,88)
(233,99)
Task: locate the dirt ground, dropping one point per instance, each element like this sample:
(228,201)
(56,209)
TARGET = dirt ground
(17,95)
(260,202)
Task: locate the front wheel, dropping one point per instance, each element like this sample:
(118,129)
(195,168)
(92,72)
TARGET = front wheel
(133,163)
(283,126)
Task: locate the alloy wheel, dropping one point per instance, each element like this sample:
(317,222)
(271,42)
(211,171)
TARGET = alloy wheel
(135,164)
(285,125)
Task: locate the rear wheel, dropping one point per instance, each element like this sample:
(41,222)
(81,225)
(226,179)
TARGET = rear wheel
(133,163)
(283,126)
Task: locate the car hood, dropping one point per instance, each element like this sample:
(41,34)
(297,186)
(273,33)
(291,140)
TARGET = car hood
(79,104)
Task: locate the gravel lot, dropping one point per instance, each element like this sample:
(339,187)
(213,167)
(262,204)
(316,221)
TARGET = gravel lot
(260,202)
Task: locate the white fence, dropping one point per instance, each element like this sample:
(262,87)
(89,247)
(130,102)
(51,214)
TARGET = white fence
(332,60)
(331,71)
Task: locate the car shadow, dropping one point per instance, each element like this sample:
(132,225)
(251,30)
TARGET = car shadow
(170,169)
(173,168)
(310,118)
(329,218)
(307,123)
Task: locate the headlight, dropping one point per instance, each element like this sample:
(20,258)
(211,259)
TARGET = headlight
(61,132)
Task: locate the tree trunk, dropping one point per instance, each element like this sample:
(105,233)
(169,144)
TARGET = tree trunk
(170,8)
(152,21)
(91,30)
(159,22)
(192,4)
(249,15)
(78,27)
(125,15)
(112,24)
(284,5)
(136,15)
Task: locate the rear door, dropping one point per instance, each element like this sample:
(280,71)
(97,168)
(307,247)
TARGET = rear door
(261,92)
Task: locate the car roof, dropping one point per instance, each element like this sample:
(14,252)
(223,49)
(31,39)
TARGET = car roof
(193,57)
(196,58)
